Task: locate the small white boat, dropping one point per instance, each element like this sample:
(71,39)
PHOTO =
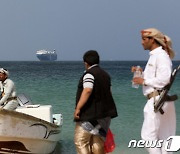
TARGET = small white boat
(29,129)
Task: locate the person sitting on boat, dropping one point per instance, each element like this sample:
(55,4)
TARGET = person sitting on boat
(8,99)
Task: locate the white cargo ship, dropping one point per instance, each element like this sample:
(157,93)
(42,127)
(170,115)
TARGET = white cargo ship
(44,55)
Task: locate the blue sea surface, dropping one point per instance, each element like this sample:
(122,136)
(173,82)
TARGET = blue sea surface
(55,83)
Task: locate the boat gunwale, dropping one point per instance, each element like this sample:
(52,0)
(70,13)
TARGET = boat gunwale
(25,116)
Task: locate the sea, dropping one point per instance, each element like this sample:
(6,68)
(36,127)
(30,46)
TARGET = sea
(56,82)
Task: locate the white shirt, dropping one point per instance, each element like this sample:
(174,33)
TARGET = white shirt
(8,89)
(158,70)
(1,86)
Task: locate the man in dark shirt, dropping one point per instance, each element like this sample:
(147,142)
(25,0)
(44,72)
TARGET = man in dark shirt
(94,107)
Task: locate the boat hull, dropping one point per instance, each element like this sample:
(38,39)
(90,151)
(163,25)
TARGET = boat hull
(22,133)
(21,145)
(47,57)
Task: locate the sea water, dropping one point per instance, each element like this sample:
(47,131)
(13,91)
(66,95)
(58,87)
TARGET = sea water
(55,83)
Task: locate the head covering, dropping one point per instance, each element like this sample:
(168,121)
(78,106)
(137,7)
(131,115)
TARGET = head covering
(162,39)
(168,47)
(5,71)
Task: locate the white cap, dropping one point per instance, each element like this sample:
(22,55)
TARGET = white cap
(5,71)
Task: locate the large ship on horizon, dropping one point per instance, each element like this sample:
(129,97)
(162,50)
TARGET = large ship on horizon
(44,55)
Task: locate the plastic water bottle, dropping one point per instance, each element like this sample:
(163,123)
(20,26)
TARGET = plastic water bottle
(95,131)
(137,73)
(87,126)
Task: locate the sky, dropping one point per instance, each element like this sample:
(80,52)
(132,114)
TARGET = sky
(71,27)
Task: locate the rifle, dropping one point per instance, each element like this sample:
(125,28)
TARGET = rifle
(164,94)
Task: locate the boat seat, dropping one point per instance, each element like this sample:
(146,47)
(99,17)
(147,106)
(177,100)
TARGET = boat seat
(24,100)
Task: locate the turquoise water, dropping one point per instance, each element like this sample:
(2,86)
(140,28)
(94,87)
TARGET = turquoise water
(55,83)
